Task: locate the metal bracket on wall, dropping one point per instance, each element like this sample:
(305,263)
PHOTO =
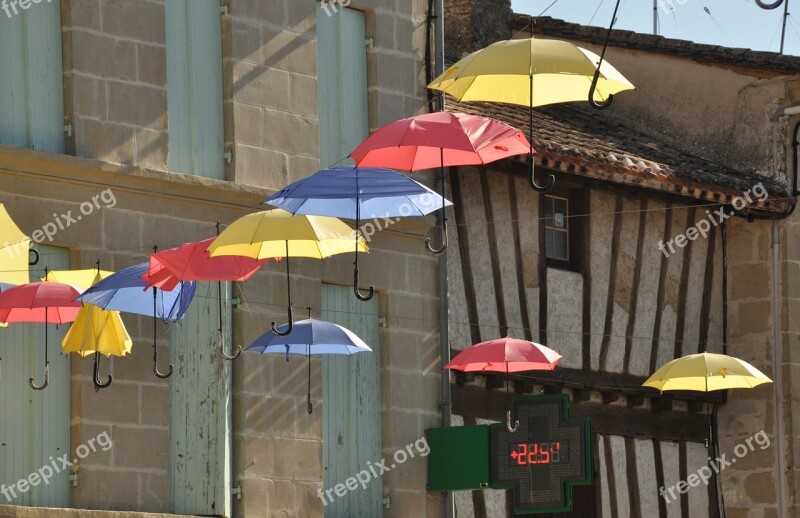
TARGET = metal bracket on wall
(370,43)
(237,491)
(224,9)
(68,129)
(383,322)
(387,502)
(73,477)
(227,156)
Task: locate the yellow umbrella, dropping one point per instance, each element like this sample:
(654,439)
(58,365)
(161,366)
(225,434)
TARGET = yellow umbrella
(277,233)
(14,251)
(706,372)
(81,280)
(97,331)
(533,72)
(530,72)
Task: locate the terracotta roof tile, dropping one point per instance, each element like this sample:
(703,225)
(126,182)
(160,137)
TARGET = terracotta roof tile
(572,139)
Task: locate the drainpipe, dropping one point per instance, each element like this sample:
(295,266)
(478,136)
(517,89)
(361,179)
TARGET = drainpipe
(777,369)
(444,339)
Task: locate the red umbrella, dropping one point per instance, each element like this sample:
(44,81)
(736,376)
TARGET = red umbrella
(440,139)
(48,302)
(505,355)
(191,262)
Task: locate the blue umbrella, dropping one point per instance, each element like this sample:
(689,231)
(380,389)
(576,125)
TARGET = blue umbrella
(310,337)
(355,193)
(126,291)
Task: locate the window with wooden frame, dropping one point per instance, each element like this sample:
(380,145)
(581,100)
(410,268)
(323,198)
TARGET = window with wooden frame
(562,230)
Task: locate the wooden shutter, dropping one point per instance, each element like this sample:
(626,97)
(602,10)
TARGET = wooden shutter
(194,87)
(352,405)
(36,423)
(31,81)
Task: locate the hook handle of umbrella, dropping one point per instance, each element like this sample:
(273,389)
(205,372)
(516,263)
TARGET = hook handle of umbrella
(96,376)
(288,329)
(598,105)
(356,289)
(46,379)
(773,5)
(310,407)
(234,355)
(35,255)
(551,181)
(510,428)
(159,374)
(444,240)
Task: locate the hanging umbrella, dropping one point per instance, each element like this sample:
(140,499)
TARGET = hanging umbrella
(505,355)
(440,139)
(355,193)
(533,72)
(14,252)
(81,280)
(47,302)
(706,372)
(191,262)
(277,233)
(127,292)
(96,331)
(309,337)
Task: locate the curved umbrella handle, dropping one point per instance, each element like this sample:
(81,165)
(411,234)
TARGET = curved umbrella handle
(36,255)
(96,375)
(551,181)
(510,428)
(46,378)
(595,104)
(288,329)
(444,241)
(155,365)
(357,291)
(767,6)
(234,355)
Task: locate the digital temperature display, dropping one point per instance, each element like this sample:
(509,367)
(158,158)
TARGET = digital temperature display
(544,453)
(544,457)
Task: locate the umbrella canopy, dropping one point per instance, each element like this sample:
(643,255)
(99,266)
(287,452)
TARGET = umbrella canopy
(706,372)
(530,72)
(14,252)
(191,262)
(309,337)
(440,139)
(277,233)
(81,280)
(505,355)
(127,291)
(48,302)
(95,332)
(357,193)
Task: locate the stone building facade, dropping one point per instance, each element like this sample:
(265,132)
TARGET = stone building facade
(118,58)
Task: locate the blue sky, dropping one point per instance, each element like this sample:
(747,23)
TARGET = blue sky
(732,23)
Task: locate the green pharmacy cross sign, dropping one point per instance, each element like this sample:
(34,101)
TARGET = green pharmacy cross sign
(547,454)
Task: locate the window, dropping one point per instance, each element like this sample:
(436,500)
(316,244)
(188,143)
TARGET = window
(194,88)
(556,228)
(563,227)
(31,81)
